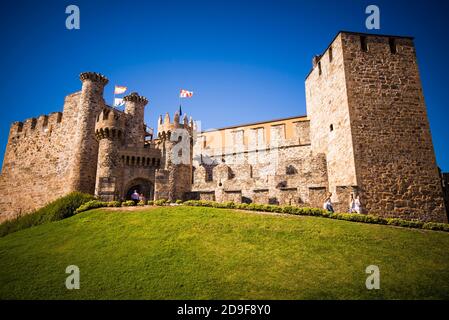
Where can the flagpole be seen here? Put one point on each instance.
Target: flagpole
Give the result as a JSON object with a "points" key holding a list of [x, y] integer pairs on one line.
{"points": [[113, 99]]}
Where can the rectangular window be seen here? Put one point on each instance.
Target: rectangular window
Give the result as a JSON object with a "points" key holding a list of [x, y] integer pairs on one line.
{"points": [[256, 138], [363, 43], [260, 136], [330, 54], [237, 137], [319, 68], [277, 133], [393, 48]]}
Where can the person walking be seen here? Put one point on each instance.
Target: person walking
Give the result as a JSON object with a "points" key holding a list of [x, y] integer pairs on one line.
{"points": [[357, 205], [135, 197], [351, 203]]}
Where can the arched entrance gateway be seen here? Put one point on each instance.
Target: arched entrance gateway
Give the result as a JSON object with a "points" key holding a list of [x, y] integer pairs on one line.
{"points": [[141, 185]]}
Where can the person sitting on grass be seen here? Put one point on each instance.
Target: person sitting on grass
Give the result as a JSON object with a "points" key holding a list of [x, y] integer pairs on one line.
{"points": [[328, 204]]}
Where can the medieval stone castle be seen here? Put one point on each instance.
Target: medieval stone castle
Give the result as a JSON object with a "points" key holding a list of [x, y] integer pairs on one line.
{"points": [[366, 132]]}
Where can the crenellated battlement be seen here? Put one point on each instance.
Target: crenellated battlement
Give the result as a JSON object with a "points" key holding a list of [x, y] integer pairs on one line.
{"points": [[36, 125], [94, 76], [16, 128], [135, 97], [110, 124], [165, 127]]}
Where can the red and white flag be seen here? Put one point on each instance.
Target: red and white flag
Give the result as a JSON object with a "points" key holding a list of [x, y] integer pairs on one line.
{"points": [[185, 94], [120, 89]]}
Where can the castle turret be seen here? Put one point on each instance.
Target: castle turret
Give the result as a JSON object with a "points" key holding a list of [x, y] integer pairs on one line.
{"points": [[174, 180], [109, 133], [85, 152], [134, 108]]}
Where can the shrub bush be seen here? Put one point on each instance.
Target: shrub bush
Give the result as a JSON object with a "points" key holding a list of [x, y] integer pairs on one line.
{"points": [[242, 206], [114, 204], [128, 203], [436, 226], [93, 204], [178, 201], [405, 223], [150, 202], [160, 202], [61, 208], [305, 211], [141, 203], [192, 203]]}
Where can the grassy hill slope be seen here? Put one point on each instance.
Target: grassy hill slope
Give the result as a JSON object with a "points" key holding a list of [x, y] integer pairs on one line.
{"points": [[206, 253]]}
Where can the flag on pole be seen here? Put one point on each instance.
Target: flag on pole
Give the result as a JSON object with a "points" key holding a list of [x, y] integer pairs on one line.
{"points": [[185, 94], [118, 102], [120, 89]]}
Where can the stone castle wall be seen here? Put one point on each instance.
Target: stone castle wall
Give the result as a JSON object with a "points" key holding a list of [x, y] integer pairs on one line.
{"points": [[283, 172], [82, 149], [328, 110], [38, 163], [393, 150]]}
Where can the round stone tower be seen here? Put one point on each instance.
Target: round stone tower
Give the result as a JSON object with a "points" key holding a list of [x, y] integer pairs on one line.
{"points": [[174, 179], [135, 130], [109, 131], [85, 151]]}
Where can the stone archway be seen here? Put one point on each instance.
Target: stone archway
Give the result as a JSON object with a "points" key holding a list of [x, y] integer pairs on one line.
{"points": [[141, 185]]}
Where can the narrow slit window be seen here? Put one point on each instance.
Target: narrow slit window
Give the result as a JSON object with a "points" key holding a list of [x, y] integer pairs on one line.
{"points": [[331, 127], [319, 68], [393, 48], [330, 54], [363, 43]]}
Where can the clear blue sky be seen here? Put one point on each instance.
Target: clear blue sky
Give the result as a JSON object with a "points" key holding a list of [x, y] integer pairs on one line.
{"points": [[245, 60]]}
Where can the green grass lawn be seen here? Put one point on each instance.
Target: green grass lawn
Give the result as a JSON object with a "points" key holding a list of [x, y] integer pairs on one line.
{"points": [[206, 253]]}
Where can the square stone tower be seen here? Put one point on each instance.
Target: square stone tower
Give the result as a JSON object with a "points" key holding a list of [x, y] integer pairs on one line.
{"points": [[367, 114]]}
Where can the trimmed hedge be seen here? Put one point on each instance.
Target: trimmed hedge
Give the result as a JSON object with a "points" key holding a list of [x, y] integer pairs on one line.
{"points": [[306, 211], [436, 226], [93, 204], [128, 203], [114, 204], [141, 203], [160, 202], [59, 209]]}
